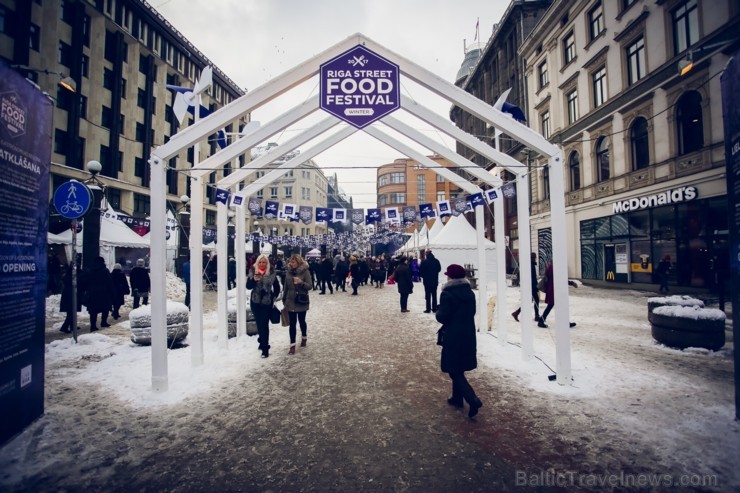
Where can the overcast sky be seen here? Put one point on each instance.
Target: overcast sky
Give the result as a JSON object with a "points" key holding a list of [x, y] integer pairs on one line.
{"points": [[253, 41]]}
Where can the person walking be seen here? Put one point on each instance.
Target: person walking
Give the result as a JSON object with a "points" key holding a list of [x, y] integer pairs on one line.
{"points": [[664, 268], [354, 271], [535, 292], [186, 279], [65, 302], [98, 294], [120, 289], [325, 273], [231, 272], [429, 271], [140, 283], [402, 278], [456, 313], [312, 269], [549, 298], [341, 271], [295, 298], [265, 287]]}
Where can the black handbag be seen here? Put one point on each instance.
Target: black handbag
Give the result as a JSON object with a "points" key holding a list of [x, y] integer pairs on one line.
{"points": [[274, 315], [441, 337], [301, 298]]}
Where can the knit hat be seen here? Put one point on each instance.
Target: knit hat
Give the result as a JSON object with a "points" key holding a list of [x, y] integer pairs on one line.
{"points": [[455, 271], [116, 266], [140, 262]]}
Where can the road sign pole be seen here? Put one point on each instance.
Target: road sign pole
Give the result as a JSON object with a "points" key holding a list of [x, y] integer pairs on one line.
{"points": [[74, 279]]}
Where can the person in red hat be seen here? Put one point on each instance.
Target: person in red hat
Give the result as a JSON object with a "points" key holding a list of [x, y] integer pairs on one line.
{"points": [[456, 313]]}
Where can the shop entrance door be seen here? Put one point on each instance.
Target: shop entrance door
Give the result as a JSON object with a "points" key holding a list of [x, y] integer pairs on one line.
{"points": [[616, 262], [610, 264]]}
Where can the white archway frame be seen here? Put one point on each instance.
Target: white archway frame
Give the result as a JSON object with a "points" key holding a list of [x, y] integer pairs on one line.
{"points": [[277, 86]]}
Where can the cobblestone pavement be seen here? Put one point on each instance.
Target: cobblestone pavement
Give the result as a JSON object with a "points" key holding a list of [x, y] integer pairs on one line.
{"points": [[362, 408]]}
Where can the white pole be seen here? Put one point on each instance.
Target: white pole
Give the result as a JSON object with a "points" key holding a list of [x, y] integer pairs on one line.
{"points": [[482, 276], [241, 275], [560, 270], [196, 269], [525, 267], [501, 309], [158, 263], [222, 245]]}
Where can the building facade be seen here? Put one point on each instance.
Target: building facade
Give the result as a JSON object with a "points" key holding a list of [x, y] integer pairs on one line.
{"points": [[487, 72], [305, 185], [406, 182], [122, 54], [644, 154]]}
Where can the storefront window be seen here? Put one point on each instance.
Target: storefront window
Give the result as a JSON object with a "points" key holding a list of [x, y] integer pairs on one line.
{"points": [[639, 224], [642, 262], [588, 261], [587, 230], [601, 228], [664, 223], [620, 226]]}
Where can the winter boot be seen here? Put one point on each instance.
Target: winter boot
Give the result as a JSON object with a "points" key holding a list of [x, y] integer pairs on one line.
{"points": [[303, 341], [475, 404], [292, 349]]}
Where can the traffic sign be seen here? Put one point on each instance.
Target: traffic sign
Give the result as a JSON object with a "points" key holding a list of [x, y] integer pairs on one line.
{"points": [[72, 199]]}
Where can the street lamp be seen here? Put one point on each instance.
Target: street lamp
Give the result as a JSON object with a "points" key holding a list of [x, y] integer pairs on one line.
{"points": [[65, 81], [183, 243], [91, 232]]}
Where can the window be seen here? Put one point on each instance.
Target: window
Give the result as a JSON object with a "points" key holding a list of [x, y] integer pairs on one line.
{"points": [[398, 177], [545, 124], [110, 46], [569, 48], [596, 21], [542, 74], [288, 192], [83, 106], [440, 179], [398, 198], [627, 4], [639, 143], [382, 199], [599, 85], [574, 167], [141, 98], [139, 168], [65, 12], [141, 204], [572, 100], [4, 18], [143, 64], [85, 66], [123, 88], [382, 180], [34, 35], [546, 182], [636, 60], [108, 79], [65, 54], [690, 125], [140, 132], [440, 196], [273, 192], [421, 187], [105, 117], [260, 193], [60, 141], [602, 159], [305, 193], [685, 26]]}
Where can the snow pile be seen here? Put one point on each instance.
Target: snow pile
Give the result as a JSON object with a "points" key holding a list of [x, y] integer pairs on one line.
{"points": [[692, 312], [676, 300], [142, 317]]}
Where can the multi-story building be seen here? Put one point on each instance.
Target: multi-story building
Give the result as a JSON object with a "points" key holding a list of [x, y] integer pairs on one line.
{"points": [[487, 72], [405, 182], [121, 54], [305, 185], [338, 199], [643, 144]]}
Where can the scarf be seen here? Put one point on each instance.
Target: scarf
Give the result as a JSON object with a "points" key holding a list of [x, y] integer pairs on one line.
{"points": [[261, 271]]}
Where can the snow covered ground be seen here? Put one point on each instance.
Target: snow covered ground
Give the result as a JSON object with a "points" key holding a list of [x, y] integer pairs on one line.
{"points": [[631, 400]]}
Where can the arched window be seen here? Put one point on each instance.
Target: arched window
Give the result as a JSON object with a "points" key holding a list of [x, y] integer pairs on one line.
{"points": [[639, 141], [690, 125], [602, 159], [574, 164]]}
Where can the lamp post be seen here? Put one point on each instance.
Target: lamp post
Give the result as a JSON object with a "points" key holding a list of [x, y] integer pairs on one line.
{"points": [[183, 242], [256, 243], [91, 232]]}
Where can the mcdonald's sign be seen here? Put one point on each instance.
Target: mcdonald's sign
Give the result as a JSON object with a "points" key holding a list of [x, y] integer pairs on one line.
{"points": [[610, 276]]}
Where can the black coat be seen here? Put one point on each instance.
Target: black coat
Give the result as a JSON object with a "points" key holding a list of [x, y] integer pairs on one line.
{"points": [[429, 270], [402, 276], [120, 287], [140, 280], [456, 313], [325, 269], [98, 289]]}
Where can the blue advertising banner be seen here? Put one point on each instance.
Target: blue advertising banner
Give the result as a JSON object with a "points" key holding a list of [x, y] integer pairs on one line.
{"points": [[359, 86], [730, 81], [25, 153]]}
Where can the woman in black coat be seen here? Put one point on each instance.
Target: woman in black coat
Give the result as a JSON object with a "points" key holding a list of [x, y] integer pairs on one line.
{"points": [[120, 289], [456, 313], [98, 294], [402, 277]]}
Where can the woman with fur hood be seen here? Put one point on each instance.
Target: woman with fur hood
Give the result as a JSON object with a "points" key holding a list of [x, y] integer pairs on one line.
{"points": [[456, 313], [265, 288], [295, 298]]}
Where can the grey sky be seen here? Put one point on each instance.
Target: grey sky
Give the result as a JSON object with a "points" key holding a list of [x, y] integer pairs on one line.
{"points": [[253, 41]]}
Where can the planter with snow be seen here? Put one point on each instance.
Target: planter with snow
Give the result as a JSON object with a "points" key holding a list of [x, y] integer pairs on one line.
{"points": [[177, 323], [688, 326], [674, 300], [231, 310]]}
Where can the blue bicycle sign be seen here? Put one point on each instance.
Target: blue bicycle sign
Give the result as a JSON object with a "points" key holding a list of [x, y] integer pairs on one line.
{"points": [[72, 199]]}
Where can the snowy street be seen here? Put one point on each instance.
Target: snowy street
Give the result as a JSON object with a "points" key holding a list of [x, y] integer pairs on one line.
{"points": [[363, 408]]}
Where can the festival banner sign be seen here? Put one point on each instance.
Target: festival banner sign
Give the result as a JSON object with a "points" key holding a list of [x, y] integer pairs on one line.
{"points": [[409, 214], [339, 216], [509, 190], [255, 207], [426, 210], [359, 87], [391, 215], [358, 216], [271, 209], [373, 216], [443, 206], [476, 199], [492, 195], [306, 214], [459, 206], [25, 154], [323, 214], [222, 196]]}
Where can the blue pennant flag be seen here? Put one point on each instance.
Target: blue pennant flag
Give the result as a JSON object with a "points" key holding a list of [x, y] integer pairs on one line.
{"points": [[324, 214], [222, 196], [373, 216], [426, 210], [271, 209], [476, 199]]}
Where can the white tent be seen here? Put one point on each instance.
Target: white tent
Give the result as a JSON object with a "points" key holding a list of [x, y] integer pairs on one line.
{"points": [[457, 244], [315, 253], [53, 239], [173, 237], [113, 234]]}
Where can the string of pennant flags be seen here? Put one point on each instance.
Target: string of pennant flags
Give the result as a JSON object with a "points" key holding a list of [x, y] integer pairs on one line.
{"points": [[389, 215]]}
